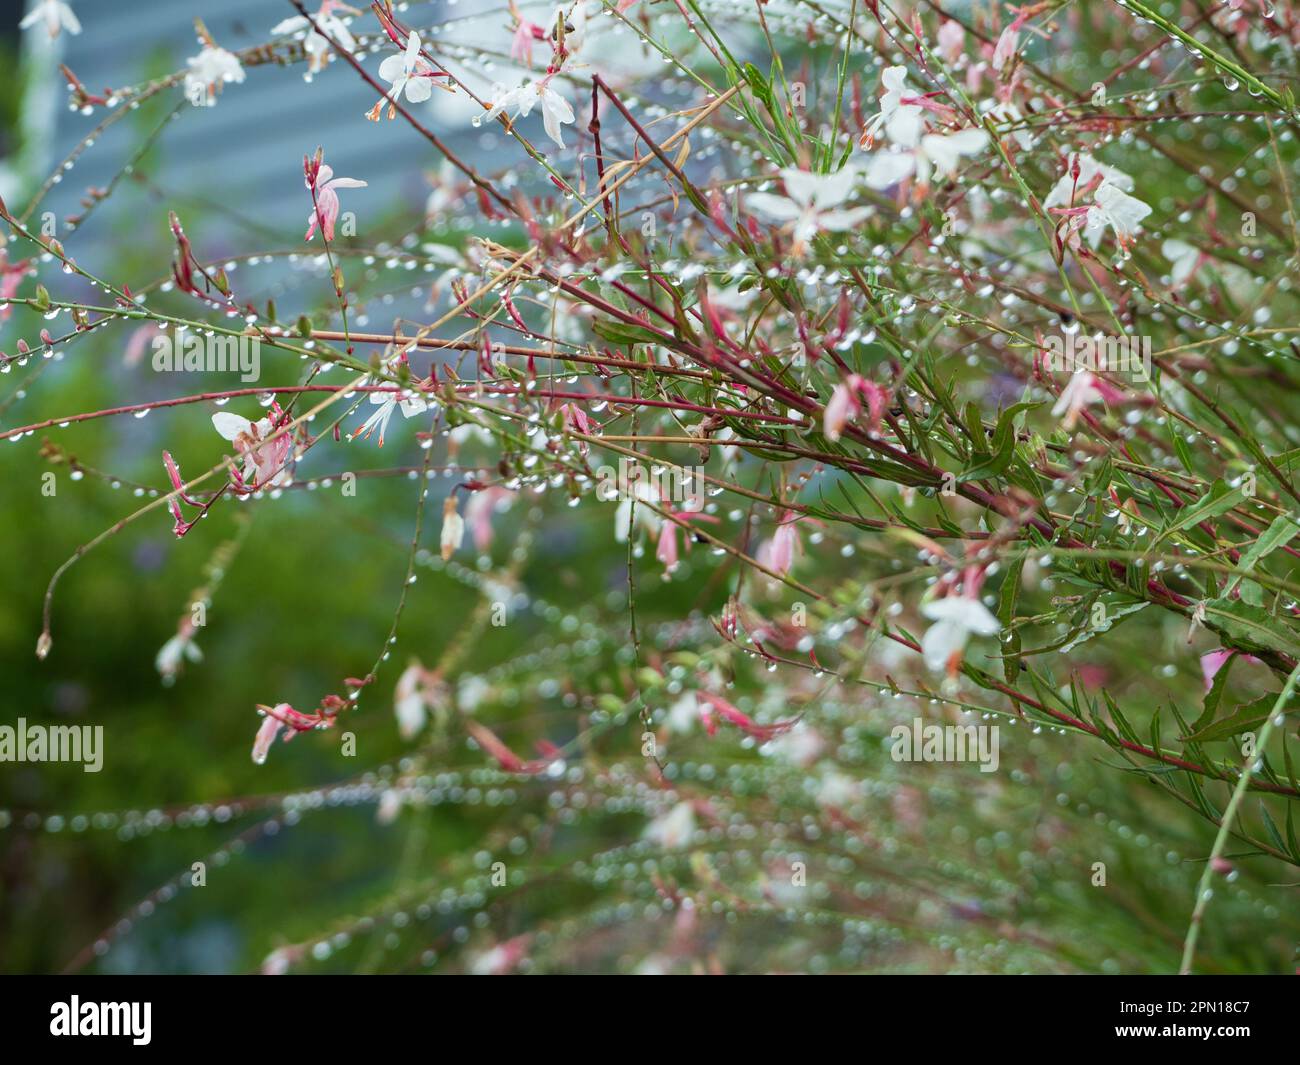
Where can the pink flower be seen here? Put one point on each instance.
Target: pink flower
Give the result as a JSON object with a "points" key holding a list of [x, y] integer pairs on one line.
{"points": [[1213, 661], [1084, 390], [266, 735], [325, 204], [521, 44], [11, 276], [952, 39], [666, 552], [733, 716], [284, 716], [576, 420], [264, 458], [777, 554], [846, 402], [1009, 39]]}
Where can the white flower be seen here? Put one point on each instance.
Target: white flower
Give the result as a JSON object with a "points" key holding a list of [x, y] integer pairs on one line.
{"points": [[1183, 259], [642, 492], [403, 73], [208, 71], [1082, 391], [673, 830], [453, 529], [937, 153], [317, 46], [1118, 210], [57, 15], [411, 404], [812, 202], [173, 653], [555, 108], [955, 619], [903, 122], [410, 700], [1062, 194]]}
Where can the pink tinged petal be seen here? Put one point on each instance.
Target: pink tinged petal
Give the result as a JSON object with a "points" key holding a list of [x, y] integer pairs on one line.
{"points": [[266, 735], [453, 529], [952, 39], [841, 405], [667, 549], [784, 541], [1211, 663], [1006, 46]]}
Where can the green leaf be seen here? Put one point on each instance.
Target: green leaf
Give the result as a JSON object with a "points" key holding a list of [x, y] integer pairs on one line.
{"points": [[1249, 628], [1219, 500], [1247, 718], [1278, 534]]}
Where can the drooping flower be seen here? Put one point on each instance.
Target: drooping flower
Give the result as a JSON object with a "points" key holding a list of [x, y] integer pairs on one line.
{"points": [[208, 72], [453, 528], [556, 110], [317, 46], [325, 208], [778, 553], [407, 74], [56, 15], [179, 649], [266, 734], [264, 459], [956, 619], [812, 203], [418, 691]]}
